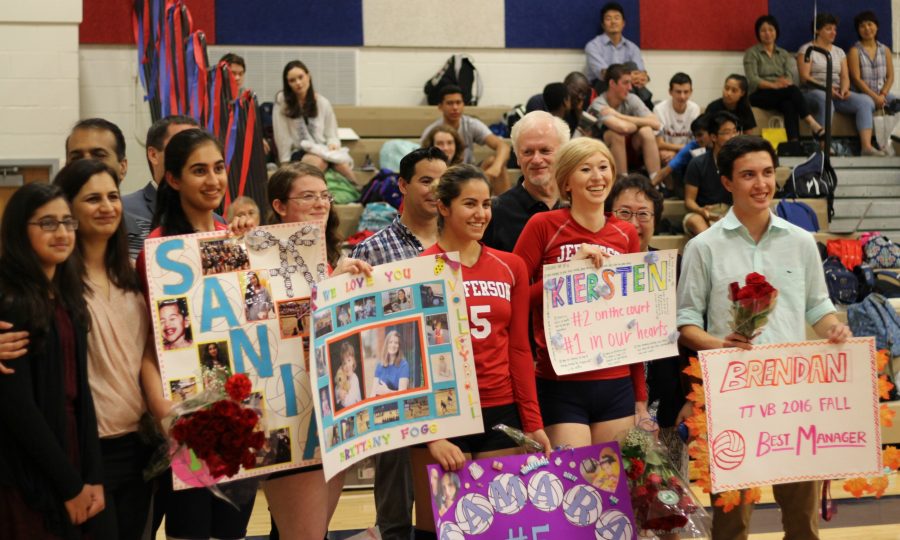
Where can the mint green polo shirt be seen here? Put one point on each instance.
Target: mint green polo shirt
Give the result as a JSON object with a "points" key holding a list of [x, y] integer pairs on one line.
{"points": [[724, 253]]}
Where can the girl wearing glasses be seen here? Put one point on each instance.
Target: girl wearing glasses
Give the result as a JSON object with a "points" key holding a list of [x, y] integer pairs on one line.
{"points": [[300, 501], [594, 406], [496, 286], [194, 185], [118, 344], [50, 463]]}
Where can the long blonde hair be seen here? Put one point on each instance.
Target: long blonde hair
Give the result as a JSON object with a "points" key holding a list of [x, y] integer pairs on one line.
{"points": [[384, 349]]}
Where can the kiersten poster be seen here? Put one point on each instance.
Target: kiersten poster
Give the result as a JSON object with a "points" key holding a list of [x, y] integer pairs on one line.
{"points": [[241, 305], [393, 360], [789, 412], [576, 493], [622, 313]]}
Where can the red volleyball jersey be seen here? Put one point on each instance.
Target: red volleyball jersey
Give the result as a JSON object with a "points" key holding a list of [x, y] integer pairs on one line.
{"points": [[554, 237], [497, 290]]}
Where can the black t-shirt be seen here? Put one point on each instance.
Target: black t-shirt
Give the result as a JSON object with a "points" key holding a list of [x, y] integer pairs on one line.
{"points": [[703, 173], [511, 211], [743, 111]]}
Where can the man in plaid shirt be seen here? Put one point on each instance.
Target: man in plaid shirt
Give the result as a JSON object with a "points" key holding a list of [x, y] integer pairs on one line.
{"points": [[406, 237]]}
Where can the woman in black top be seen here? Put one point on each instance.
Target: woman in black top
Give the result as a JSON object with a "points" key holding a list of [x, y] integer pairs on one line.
{"points": [[50, 466]]}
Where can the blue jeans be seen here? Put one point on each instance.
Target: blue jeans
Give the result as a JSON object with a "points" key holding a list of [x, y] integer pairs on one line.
{"points": [[859, 105]]}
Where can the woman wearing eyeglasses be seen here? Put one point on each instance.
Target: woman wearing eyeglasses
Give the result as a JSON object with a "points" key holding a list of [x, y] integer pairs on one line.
{"points": [[50, 463], [300, 501], [634, 199], [594, 406]]}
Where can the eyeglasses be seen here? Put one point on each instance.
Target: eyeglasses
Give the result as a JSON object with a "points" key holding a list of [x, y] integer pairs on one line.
{"points": [[52, 225], [643, 216], [311, 198]]}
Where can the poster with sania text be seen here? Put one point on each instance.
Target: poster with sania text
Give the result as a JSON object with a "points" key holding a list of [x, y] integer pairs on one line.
{"points": [[223, 305]]}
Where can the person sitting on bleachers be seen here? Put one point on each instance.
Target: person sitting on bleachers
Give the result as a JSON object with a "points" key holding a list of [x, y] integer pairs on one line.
{"points": [[676, 114], [639, 81], [672, 175], [610, 47], [734, 100], [622, 116], [473, 131], [812, 75], [871, 65], [448, 141], [705, 198], [771, 74], [578, 92]]}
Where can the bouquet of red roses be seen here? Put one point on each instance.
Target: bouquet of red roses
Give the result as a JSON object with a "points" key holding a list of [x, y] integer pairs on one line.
{"points": [[661, 498], [751, 305]]}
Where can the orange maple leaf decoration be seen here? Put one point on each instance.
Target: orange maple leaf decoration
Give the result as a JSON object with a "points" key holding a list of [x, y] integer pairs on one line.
{"points": [[752, 495], [890, 456], [728, 500], [884, 387]]}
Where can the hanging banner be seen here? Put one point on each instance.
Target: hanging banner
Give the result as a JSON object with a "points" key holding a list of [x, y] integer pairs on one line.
{"points": [[576, 493], [622, 313], [394, 364], [224, 305], [788, 412]]}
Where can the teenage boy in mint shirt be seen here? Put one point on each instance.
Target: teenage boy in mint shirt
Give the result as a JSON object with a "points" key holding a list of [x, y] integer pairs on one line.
{"points": [[750, 238]]}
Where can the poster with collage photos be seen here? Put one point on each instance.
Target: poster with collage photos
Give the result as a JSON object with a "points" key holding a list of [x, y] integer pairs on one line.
{"points": [[223, 305], [393, 360]]}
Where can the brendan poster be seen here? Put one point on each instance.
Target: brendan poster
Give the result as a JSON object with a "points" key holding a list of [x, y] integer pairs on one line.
{"points": [[576, 493], [224, 305], [789, 412], [621, 313], [393, 360]]}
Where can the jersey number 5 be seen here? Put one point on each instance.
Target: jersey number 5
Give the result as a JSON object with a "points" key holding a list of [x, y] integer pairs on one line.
{"points": [[481, 326]]}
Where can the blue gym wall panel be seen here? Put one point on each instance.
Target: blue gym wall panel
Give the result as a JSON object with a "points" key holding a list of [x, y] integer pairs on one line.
{"points": [[561, 24], [795, 18], [289, 22]]}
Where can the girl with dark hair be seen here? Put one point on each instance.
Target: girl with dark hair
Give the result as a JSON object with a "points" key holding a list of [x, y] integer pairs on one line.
{"points": [[194, 185], [257, 299], [304, 123], [447, 139], [770, 73], [118, 345], [300, 501], [499, 329], [812, 76], [50, 462], [735, 100]]}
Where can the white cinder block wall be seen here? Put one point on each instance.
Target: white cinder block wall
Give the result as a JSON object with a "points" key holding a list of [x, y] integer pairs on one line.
{"points": [[38, 76]]}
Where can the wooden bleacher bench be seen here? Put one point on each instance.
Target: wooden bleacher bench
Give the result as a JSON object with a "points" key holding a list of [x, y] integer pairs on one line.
{"points": [[403, 122], [674, 210]]}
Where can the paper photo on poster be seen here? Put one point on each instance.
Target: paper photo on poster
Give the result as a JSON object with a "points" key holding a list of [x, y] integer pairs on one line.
{"points": [[622, 313], [382, 379], [576, 493], [787, 412], [236, 305]]}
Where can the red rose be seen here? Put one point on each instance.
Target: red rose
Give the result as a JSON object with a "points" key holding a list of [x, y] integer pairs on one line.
{"points": [[733, 290], [755, 278], [238, 387]]}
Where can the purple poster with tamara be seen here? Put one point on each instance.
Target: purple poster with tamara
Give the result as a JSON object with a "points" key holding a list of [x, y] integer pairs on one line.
{"points": [[576, 493]]}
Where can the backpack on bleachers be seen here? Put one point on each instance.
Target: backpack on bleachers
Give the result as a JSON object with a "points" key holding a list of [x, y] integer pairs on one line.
{"points": [[799, 213], [847, 250], [843, 287], [460, 70], [811, 180], [880, 252], [344, 191], [875, 316], [887, 283], [382, 188], [376, 216], [392, 151], [865, 281]]}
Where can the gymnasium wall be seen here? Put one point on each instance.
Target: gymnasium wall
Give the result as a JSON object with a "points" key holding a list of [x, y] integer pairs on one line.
{"points": [[518, 46]]}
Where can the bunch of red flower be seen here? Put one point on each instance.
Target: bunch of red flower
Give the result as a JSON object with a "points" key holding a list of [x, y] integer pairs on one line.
{"points": [[223, 434], [661, 499], [751, 305]]}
